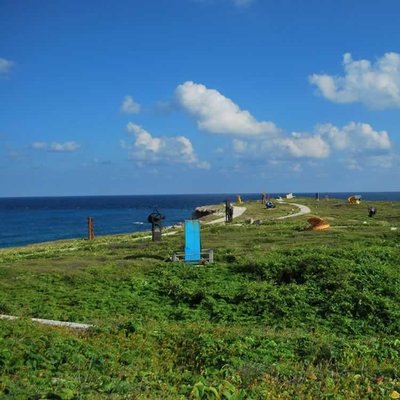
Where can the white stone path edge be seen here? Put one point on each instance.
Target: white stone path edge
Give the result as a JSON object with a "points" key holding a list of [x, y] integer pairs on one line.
{"points": [[62, 324]]}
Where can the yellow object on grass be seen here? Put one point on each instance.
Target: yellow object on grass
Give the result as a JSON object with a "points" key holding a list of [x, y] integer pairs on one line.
{"points": [[354, 199], [317, 224]]}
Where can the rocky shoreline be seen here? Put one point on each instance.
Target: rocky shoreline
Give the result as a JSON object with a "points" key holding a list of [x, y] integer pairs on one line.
{"points": [[203, 211]]}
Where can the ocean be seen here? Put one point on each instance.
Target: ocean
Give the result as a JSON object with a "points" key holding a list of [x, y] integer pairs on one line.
{"points": [[27, 220]]}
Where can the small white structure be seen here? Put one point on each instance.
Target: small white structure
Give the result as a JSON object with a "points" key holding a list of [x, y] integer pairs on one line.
{"points": [[289, 196]]}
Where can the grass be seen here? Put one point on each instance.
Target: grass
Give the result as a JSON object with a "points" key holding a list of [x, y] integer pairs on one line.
{"points": [[283, 313]]}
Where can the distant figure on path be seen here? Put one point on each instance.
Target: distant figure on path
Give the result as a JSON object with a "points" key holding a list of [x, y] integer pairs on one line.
{"points": [[228, 211]]}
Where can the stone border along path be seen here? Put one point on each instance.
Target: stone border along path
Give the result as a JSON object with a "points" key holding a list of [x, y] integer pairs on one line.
{"points": [[62, 324], [303, 210]]}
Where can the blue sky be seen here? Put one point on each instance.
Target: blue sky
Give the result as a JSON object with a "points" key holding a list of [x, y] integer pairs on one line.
{"points": [[199, 96]]}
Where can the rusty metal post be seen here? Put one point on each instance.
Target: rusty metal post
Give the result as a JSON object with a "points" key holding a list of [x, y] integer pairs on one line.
{"points": [[155, 220], [90, 228], [156, 234]]}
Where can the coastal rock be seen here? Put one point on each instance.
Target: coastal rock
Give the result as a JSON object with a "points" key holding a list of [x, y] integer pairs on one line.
{"points": [[203, 211]]}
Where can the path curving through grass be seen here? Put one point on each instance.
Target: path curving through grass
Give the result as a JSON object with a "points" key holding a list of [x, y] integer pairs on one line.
{"points": [[237, 212], [303, 210]]}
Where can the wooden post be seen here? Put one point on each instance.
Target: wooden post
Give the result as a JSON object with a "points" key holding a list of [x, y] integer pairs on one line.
{"points": [[90, 228]]}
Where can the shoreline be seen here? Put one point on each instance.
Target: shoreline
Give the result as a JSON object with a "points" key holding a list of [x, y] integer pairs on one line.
{"points": [[147, 230]]}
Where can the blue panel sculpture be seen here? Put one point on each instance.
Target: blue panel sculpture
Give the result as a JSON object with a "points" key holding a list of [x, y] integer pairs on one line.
{"points": [[192, 241]]}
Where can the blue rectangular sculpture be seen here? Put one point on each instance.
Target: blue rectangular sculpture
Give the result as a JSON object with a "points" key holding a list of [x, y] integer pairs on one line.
{"points": [[192, 241]]}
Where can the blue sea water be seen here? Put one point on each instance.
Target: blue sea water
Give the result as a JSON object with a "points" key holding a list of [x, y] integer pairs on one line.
{"points": [[27, 220]]}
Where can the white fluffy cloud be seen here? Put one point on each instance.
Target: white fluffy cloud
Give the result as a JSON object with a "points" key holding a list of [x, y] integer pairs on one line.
{"points": [[67, 147], [377, 85], [129, 106], [298, 145], [5, 66], [303, 145], [262, 140], [172, 150], [216, 113], [355, 137], [354, 140], [385, 161]]}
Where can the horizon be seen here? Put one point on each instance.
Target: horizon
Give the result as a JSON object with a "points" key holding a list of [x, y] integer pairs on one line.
{"points": [[355, 192], [191, 96]]}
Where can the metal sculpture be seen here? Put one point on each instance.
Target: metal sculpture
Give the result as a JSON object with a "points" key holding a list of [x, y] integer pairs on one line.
{"points": [[155, 219]]}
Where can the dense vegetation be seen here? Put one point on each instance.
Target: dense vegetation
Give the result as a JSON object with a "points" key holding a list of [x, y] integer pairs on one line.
{"points": [[283, 313]]}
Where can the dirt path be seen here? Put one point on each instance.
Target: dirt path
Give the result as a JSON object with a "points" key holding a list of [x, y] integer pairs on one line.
{"points": [[237, 212], [303, 210]]}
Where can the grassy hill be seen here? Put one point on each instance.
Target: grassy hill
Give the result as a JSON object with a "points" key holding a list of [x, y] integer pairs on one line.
{"points": [[283, 313]]}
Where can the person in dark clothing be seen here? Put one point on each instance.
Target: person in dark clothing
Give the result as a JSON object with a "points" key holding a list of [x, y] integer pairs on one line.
{"points": [[228, 211]]}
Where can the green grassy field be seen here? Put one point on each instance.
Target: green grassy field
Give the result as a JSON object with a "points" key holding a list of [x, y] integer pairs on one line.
{"points": [[283, 313]]}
